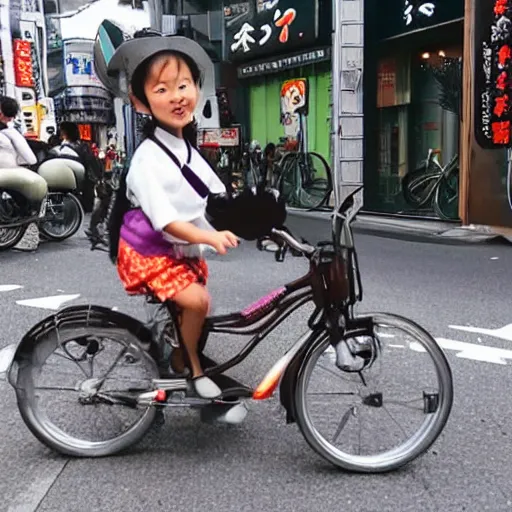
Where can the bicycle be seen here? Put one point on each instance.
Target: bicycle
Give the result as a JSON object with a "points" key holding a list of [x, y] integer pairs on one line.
{"points": [[433, 184], [352, 344], [223, 159], [305, 178]]}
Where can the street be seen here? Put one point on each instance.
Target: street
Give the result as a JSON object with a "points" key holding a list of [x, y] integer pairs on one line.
{"points": [[461, 294]]}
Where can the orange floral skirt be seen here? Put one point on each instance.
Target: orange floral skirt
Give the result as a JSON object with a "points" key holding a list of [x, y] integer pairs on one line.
{"points": [[163, 276]]}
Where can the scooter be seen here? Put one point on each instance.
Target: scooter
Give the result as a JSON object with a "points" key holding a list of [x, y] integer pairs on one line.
{"points": [[64, 212], [23, 200]]}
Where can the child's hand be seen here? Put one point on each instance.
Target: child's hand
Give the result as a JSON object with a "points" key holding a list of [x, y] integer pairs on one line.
{"points": [[221, 241]]}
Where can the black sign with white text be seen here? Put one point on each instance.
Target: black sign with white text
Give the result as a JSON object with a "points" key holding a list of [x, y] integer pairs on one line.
{"points": [[398, 17], [281, 63], [260, 28]]}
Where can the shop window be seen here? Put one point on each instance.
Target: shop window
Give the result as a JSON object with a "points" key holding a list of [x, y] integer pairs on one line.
{"points": [[418, 105]]}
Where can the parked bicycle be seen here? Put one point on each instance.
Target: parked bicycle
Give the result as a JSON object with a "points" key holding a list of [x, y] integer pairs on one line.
{"points": [[432, 185], [226, 162], [305, 178], [339, 352]]}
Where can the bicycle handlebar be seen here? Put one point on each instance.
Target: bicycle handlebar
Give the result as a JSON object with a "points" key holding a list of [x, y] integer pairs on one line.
{"points": [[306, 249]]}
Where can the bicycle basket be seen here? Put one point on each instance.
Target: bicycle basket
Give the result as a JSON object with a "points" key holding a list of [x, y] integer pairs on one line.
{"points": [[331, 281]]}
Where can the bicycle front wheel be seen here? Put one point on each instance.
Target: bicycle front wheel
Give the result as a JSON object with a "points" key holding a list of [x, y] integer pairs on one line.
{"points": [[384, 414]]}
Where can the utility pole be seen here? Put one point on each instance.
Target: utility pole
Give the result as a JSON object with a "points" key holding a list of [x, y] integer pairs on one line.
{"points": [[347, 91]]}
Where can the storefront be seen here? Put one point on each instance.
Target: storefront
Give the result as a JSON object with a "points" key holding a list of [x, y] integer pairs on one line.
{"points": [[413, 97], [282, 53]]}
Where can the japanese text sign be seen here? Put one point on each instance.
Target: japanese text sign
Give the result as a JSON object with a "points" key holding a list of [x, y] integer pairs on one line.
{"points": [[397, 17], [23, 63], [263, 27], [493, 73]]}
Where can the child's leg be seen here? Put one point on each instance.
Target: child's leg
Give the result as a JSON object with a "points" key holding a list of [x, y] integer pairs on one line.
{"points": [[194, 302]]}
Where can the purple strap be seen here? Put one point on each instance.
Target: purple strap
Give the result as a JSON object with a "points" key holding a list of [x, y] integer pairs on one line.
{"points": [[193, 179]]}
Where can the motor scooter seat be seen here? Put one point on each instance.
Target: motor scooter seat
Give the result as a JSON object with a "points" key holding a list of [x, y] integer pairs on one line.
{"points": [[24, 181]]}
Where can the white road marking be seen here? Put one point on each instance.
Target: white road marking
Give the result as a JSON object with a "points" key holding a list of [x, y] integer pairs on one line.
{"points": [[55, 302], [504, 333], [471, 351], [9, 287], [476, 352]]}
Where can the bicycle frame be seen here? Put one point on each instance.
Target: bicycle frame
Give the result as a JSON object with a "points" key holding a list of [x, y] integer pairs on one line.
{"points": [[259, 320], [265, 315]]}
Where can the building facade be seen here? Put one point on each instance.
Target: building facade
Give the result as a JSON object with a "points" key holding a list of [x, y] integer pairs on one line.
{"points": [[24, 72], [413, 98], [281, 53]]}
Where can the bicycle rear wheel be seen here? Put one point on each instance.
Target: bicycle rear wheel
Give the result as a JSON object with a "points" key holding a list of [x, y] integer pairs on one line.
{"points": [[368, 404], [67, 395]]}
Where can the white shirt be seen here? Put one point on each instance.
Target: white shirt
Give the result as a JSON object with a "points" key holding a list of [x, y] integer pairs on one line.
{"points": [[156, 184], [14, 150]]}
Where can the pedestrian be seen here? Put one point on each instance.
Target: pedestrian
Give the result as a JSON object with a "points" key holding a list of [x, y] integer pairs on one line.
{"points": [[14, 148], [15, 152], [158, 224], [73, 147]]}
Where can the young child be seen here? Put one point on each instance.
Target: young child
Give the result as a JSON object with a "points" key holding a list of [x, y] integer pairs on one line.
{"points": [[159, 249]]}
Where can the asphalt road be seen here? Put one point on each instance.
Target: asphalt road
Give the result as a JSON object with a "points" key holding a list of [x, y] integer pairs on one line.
{"points": [[264, 464]]}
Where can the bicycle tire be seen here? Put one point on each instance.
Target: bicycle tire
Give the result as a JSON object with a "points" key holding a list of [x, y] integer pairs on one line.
{"points": [[394, 459], [328, 189], [448, 192], [287, 166], [44, 225], [284, 165], [417, 179], [51, 435], [9, 237]]}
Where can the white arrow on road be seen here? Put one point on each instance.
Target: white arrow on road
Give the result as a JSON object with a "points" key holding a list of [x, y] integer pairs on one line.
{"points": [[470, 351], [55, 302], [9, 287], [504, 333]]}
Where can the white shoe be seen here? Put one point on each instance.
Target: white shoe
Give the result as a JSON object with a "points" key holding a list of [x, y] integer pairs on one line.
{"points": [[234, 415], [206, 388]]}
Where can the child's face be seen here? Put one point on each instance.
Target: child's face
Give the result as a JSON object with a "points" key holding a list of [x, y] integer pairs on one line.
{"points": [[171, 92]]}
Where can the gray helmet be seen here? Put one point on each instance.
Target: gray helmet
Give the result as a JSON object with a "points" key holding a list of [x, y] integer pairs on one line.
{"points": [[130, 54], [118, 54]]}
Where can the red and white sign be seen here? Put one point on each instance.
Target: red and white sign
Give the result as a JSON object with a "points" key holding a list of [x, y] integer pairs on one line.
{"points": [[219, 137], [23, 63]]}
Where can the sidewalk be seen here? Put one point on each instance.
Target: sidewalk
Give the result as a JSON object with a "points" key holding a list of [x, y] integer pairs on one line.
{"points": [[418, 230]]}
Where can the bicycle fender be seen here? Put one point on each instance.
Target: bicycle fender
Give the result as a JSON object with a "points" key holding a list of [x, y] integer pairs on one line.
{"points": [[289, 380], [90, 315]]}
